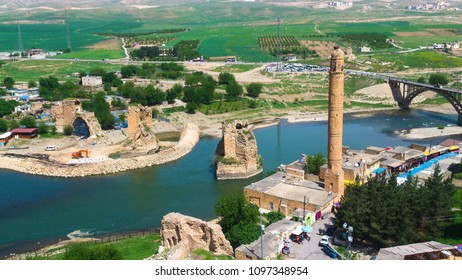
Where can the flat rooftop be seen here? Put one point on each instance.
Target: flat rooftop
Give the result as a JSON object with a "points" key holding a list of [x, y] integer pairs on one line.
{"points": [[277, 185], [399, 252]]}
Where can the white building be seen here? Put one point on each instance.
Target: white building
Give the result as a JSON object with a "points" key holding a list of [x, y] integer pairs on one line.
{"points": [[92, 81], [365, 49]]}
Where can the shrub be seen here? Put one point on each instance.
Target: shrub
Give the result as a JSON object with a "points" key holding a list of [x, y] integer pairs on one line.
{"points": [[82, 251], [28, 122], [68, 129], [43, 128]]}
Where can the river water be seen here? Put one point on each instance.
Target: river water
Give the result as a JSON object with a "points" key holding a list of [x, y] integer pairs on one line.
{"points": [[37, 210]]}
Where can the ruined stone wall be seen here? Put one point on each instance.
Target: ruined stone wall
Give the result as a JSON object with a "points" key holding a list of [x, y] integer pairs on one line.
{"points": [[239, 150], [181, 235], [140, 128]]}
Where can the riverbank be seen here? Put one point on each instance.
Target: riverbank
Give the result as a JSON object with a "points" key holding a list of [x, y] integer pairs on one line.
{"points": [[48, 167], [430, 132]]}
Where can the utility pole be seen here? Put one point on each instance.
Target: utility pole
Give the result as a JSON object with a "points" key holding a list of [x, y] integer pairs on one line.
{"points": [[20, 46], [279, 43], [68, 35], [262, 229]]}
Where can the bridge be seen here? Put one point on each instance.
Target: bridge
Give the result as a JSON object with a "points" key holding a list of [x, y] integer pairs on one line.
{"points": [[404, 91]]}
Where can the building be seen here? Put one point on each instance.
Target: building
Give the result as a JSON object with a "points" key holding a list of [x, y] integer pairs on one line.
{"points": [[420, 251], [291, 197], [341, 4], [365, 49], [92, 81], [231, 59], [27, 133], [5, 137]]}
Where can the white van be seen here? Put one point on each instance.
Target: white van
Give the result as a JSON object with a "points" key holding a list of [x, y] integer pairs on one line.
{"points": [[51, 148]]}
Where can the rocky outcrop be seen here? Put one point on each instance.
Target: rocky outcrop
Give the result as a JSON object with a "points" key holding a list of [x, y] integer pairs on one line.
{"points": [[140, 128], [181, 235], [237, 153]]}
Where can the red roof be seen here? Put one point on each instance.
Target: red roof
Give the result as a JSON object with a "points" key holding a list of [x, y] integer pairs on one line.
{"points": [[23, 130]]}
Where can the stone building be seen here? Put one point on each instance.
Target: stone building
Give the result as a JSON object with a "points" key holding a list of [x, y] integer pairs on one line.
{"points": [[140, 128], [181, 235], [237, 153]]}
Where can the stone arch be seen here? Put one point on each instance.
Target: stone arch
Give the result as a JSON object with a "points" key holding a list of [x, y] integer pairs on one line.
{"points": [[81, 127]]}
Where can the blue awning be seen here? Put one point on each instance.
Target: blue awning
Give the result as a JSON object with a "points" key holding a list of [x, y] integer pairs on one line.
{"points": [[378, 170]]}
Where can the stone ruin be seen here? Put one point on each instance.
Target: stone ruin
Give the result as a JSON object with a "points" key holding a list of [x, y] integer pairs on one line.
{"points": [[70, 112], [140, 128], [181, 235], [237, 153]]}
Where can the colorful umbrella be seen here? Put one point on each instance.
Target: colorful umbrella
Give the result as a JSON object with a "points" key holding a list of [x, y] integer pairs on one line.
{"points": [[307, 229]]}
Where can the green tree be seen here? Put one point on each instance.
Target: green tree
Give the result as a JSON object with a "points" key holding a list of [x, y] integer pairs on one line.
{"points": [[28, 121], [32, 84], [225, 78], [68, 129], [7, 107], [129, 71], [233, 91], [438, 78], [53, 129], [422, 80], [191, 108], [314, 163], [43, 128], [239, 219], [254, 89], [3, 92], [385, 214], [3, 125], [8, 82], [13, 124], [102, 112]]}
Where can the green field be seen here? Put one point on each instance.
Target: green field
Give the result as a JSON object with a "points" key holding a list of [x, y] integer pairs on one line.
{"points": [[35, 69], [94, 54]]}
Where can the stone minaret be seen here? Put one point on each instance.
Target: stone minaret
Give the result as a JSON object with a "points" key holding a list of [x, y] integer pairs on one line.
{"points": [[334, 173]]}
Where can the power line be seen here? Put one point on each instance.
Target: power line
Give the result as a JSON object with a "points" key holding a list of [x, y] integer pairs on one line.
{"points": [[20, 46]]}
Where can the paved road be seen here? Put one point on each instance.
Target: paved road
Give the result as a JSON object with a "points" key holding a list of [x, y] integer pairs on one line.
{"points": [[311, 250]]}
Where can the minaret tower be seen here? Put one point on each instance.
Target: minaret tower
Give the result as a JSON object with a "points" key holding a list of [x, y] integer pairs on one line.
{"points": [[334, 172]]}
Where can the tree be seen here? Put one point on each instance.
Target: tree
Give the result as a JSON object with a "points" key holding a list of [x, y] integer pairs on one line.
{"points": [[239, 219], [28, 122], [233, 91], [254, 89], [13, 124], [438, 79], [3, 125], [102, 112], [53, 129], [68, 129], [7, 107], [43, 128], [386, 214], [129, 71], [314, 163], [191, 108], [32, 84], [8, 82], [225, 78], [422, 80]]}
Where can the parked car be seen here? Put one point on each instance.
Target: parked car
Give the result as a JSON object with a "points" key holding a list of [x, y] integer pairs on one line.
{"points": [[330, 230], [51, 148], [324, 240]]}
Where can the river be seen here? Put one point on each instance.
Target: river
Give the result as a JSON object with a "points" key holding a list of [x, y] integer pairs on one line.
{"points": [[37, 210]]}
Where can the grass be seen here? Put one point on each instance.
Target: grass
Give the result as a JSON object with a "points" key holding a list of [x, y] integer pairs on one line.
{"points": [[353, 84], [435, 101], [132, 248], [220, 107], [207, 255], [33, 70], [421, 59], [52, 136]]}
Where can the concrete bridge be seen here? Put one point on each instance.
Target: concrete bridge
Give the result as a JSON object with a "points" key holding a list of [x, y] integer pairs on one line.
{"points": [[404, 91]]}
